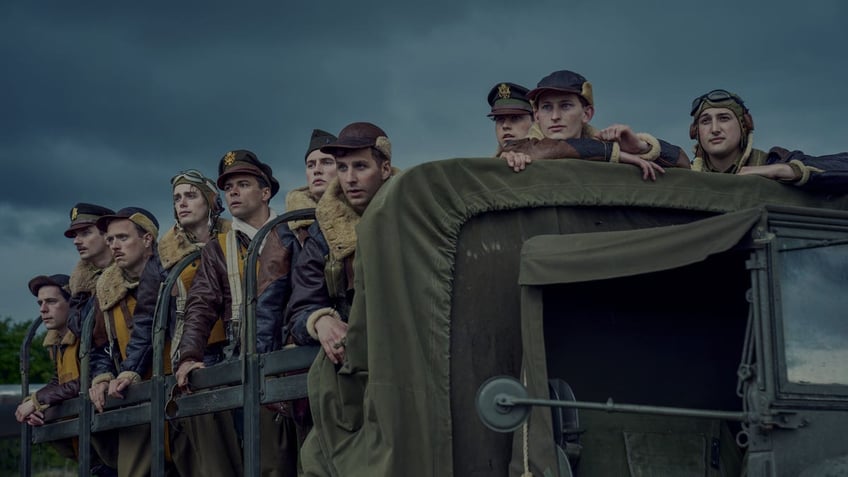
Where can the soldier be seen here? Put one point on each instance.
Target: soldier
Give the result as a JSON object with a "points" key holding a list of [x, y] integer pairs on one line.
{"points": [[511, 112], [131, 234], [320, 171], [216, 291], [53, 295], [564, 104], [95, 256], [724, 130], [319, 307]]}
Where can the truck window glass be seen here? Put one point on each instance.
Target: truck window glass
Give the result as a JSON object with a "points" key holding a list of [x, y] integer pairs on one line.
{"points": [[813, 284]]}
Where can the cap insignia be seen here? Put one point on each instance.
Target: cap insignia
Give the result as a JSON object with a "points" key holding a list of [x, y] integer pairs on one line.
{"points": [[503, 91], [74, 214], [229, 159]]}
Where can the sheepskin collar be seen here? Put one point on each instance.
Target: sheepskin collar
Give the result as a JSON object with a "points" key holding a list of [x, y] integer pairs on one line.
{"points": [[54, 338], [300, 199], [175, 244], [84, 277], [113, 286], [338, 220]]}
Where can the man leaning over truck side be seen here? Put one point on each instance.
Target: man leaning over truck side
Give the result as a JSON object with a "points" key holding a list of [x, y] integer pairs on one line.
{"points": [[563, 103], [724, 130]]}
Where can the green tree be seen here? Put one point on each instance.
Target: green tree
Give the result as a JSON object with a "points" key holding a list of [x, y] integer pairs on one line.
{"points": [[41, 370], [12, 334]]}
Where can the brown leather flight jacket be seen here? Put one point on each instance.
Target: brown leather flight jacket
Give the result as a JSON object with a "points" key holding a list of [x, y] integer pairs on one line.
{"points": [[210, 297]]}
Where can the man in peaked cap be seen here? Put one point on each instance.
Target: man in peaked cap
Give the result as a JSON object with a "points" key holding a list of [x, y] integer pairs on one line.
{"points": [[94, 257], [216, 292], [563, 104], [511, 111], [724, 130], [131, 234], [320, 171]]}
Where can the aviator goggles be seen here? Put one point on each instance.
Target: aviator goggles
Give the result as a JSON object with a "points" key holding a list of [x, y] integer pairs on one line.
{"points": [[193, 176], [715, 96]]}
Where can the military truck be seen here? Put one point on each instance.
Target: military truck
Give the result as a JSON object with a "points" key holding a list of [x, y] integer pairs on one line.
{"points": [[690, 326]]}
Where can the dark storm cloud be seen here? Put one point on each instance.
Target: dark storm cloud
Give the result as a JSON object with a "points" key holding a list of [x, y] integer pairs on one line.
{"points": [[104, 102]]}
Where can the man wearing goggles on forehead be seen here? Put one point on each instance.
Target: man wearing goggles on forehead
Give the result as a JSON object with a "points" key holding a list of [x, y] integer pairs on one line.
{"points": [[724, 130]]}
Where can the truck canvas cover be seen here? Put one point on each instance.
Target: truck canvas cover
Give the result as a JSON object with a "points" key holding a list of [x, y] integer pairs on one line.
{"points": [[437, 307]]}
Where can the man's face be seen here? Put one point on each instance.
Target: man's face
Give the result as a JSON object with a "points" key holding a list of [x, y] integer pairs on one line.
{"points": [[129, 248], [320, 170], [509, 127], [562, 115], [190, 206], [719, 132], [360, 177], [90, 243], [245, 199], [53, 308]]}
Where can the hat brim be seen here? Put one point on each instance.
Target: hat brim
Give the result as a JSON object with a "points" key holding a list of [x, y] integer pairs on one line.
{"points": [[72, 230], [104, 221], [250, 170], [535, 93], [42, 281], [509, 112], [348, 143]]}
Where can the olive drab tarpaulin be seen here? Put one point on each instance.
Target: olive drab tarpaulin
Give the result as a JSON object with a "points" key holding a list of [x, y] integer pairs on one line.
{"points": [[387, 410]]}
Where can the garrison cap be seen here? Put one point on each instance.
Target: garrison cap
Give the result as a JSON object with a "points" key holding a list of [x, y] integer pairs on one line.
{"points": [[564, 81], [242, 161], [319, 139], [509, 98], [136, 215], [84, 215], [359, 136], [60, 280]]}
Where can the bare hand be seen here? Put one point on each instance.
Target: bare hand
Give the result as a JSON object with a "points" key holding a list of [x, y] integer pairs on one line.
{"points": [[772, 171], [24, 410], [35, 419], [332, 334], [117, 386], [186, 367], [625, 137], [97, 393], [516, 160], [649, 169]]}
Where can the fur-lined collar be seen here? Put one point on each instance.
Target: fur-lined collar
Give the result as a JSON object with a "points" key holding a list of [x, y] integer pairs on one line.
{"points": [[52, 338], [338, 220], [300, 199], [84, 277], [112, 287], [175, 244]]}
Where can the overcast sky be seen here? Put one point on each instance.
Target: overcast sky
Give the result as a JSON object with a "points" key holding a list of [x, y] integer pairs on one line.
{"points": [[104, 101]]}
